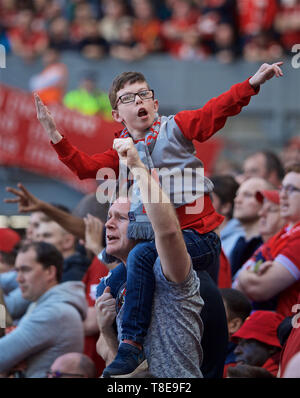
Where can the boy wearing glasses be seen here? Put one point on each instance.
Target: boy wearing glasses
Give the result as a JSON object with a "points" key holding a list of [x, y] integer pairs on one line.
{"points": [[162, 142]]}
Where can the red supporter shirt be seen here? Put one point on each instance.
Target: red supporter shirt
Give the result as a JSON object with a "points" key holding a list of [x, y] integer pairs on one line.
{"points": [[198, 125], [91, 279], [283, 248]]}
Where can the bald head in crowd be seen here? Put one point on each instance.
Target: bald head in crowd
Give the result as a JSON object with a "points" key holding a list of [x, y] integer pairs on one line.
{"points": [[73, 365]]}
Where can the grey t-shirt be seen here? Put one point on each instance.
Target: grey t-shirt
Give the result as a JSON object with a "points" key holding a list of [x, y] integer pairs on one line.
{"points": [[173, 342]]}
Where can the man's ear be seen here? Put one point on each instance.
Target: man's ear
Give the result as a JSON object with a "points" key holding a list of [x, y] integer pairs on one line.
{"points": [[234, 325], [69, 241], [226, 208], [52, 272], [116, 116], [156, 105]]}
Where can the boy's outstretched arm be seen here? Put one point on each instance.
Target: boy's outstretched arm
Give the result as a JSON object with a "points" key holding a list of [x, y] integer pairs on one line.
{"points": [[201, 124]]}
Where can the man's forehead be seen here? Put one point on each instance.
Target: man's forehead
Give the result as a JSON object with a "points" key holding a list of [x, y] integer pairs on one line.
{"points": [[49, 226], [29, 257], [254, 184], [121, 205]]}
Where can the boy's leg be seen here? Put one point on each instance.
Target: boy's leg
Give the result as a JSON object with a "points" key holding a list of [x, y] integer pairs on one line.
{"points": [[204, 250], [139, 294], [136, 309]]}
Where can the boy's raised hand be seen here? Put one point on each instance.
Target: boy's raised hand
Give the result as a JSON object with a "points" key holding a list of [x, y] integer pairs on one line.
{"points": [[46, 120], [266, 72]]}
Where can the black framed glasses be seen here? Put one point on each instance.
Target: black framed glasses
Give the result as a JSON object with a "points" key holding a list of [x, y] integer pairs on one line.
{"points": [[289, 189], [130, 97], [57, 374]]}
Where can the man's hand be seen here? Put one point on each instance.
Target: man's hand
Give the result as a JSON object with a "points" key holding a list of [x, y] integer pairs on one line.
{"points": [[93, 234], [27, 202], [105, 310], [46, 120], [264, 267], [128, 153], [266, 72]]}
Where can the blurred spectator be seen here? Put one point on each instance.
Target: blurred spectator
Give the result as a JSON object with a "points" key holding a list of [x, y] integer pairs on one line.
{"points": [[127, 48], [217, 27], [192, 46], [271, 277], [83, 12], [8, 13], [51, 83], [257, 343], [72, 365], [88, 99], [290, 154], [75, 263], [270, 221], [147, 27], [238, 308], [225, 188], [246, 209], [287, 23], [225, 48], [184, 16], [35, 219], [53, 326], [59, 35], [113, 11], [223, 195], [255, 17], [28, 39], [8, 239], [7, 261], [262, 47], [92, 45], [93, 241], [264, 164]]}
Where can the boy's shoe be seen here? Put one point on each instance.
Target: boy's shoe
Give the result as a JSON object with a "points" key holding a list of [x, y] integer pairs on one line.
{"points": [[128, 362]]}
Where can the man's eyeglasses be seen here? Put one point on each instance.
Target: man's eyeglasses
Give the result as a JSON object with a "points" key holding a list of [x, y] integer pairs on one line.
{"points": [[130, 97], [289, 189], [57, 374]]}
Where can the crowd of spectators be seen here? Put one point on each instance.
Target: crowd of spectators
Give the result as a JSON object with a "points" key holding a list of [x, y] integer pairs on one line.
{"points": [[131, 29], [262, 319], [249, 321]]}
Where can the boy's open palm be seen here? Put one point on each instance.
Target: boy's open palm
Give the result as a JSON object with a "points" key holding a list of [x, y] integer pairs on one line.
{"points": [[46, 120]]}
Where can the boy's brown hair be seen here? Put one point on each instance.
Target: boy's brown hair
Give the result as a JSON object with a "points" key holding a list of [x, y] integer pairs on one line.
{"points": [[120, 81]]}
